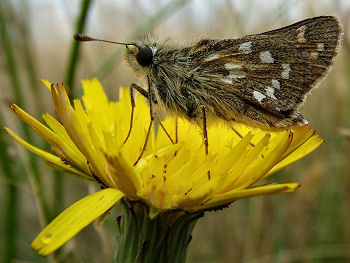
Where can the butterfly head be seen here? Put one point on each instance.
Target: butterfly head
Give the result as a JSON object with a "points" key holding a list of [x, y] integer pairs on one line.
{"points": [[141, 56]]}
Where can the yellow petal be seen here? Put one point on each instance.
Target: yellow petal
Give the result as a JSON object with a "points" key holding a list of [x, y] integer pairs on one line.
{"points": [[300, 136], [61, 132], [237, 173], [96, 104], [231, 196], [38, 127], [72, 155], [124, 176], [52, 160], [229, 161], [310, 145], [74, 219], [264, 162], [152, 166], [75, 123]]}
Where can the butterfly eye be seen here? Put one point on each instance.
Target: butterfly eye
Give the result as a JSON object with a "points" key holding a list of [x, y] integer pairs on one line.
{"points": [[144, 56]]}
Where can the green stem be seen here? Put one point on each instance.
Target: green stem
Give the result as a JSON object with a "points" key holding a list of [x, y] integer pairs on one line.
{"points": [[164, 238], [7, 45], [10, 208], [74, 54]]}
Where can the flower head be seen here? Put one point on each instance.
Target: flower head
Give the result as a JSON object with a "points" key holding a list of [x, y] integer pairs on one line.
{"points": [[89, 143]]}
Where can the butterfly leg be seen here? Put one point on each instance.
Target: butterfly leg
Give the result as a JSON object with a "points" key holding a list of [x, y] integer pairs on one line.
{"points": [[176, 132], [146, 94], [162, 126], [149, 97], [142, 91], [205, 135], [146, 140], [205, 132], [132, 99], [241, 136]]}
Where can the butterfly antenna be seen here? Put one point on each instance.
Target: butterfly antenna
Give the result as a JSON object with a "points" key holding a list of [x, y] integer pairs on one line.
{"points": [[81, 37]]}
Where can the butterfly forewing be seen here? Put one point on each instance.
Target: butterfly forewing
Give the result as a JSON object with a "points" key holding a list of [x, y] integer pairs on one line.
{"points": [[274, 70]]}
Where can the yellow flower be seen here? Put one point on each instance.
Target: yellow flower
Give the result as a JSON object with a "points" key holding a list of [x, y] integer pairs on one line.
{"points": [[88, 142]]}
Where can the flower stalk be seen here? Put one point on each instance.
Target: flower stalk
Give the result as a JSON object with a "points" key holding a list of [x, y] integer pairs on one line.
{"points": [[164, 238]]}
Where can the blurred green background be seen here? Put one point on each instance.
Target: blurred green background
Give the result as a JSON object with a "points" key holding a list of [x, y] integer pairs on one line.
{"points": [[311, 225]]}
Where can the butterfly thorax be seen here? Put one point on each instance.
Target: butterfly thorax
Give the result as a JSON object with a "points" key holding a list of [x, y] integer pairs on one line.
{"points": [[170, 74]]}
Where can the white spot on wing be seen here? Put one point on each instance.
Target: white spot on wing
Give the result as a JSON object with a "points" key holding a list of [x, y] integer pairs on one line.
{"points": [[266, 57], [314, 55], [227, 80], [270, 92], [245, 47], [258, 96], [232, 66], [233, 75], [286, 70], [320, 47], [301, 34], [236, 75], [276, 84], [212, 57]]}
